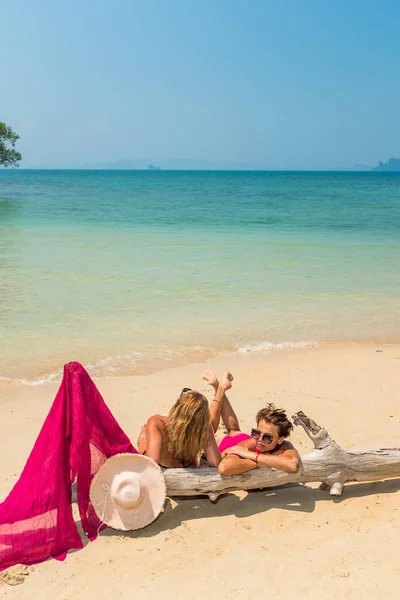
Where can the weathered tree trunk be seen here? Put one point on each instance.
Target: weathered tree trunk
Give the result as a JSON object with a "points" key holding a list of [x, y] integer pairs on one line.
{"points": [[328, 463]]}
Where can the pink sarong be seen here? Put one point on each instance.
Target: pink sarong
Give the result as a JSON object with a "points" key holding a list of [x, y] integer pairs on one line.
{"points": [[77, 437], [233, 440]]}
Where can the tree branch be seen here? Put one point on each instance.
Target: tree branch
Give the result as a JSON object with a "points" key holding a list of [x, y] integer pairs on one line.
{"points": [[328, 463]]}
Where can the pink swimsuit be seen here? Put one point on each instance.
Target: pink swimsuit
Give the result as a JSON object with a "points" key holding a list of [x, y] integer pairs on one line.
{"points": [[233, 440]]}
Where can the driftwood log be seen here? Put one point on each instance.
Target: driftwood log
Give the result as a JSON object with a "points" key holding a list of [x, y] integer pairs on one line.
{"points": [[327, 463]]}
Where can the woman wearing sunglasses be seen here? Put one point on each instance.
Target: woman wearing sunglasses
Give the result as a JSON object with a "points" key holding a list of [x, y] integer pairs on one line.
{"points": [[265, 447]]}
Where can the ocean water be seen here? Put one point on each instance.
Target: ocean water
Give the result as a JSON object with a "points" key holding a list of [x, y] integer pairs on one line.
{"points": [[131, 271]]}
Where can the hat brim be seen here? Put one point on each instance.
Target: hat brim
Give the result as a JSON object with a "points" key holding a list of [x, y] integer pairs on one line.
{"points": [[154, 486]]}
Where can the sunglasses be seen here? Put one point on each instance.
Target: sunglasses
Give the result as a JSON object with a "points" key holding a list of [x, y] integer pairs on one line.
{"points": [[185, 390], [267, 438]]}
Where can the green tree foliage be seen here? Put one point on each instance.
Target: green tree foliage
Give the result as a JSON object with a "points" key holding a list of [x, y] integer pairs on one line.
{"points": [[9, 157]]}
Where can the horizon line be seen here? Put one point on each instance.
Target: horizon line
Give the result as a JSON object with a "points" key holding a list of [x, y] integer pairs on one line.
{"points": [[144, 170]]}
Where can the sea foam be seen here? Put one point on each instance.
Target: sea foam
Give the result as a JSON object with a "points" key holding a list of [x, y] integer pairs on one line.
{"points": [[274, 346]]}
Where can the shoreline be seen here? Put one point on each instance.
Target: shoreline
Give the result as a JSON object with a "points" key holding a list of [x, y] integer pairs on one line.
{"points": [[104, 369]]}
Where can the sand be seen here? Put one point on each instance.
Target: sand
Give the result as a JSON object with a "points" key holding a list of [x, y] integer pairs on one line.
{"points": [[293, 542]]}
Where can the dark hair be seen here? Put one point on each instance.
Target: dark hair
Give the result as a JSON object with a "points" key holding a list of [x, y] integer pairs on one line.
{"points": [[276, 416]]}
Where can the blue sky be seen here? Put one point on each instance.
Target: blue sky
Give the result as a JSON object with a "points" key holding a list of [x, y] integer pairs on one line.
{"points": [[287, 84]]}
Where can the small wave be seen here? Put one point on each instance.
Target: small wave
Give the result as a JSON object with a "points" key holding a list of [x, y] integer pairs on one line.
{"points": [[112, 365], [274, 346], [122, 364], [141, 363], [56, 376]]}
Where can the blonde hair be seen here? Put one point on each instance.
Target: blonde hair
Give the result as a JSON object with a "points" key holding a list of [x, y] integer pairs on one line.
{"points": [[188, 426]]}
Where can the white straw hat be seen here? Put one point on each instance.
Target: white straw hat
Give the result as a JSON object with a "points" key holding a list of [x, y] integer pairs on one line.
{"points": [[128, 492]]}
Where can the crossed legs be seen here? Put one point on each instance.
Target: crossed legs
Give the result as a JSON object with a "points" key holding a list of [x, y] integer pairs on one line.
{"points": [[220, 408]]}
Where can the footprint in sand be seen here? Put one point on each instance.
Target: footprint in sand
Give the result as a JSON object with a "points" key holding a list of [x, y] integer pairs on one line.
{"points": [[15, 575]]}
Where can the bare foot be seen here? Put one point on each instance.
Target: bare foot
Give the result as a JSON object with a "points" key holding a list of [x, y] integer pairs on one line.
{"points": [[211, 377], [226, 381]]}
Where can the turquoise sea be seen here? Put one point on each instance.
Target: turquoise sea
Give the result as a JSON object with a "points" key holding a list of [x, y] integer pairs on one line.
{"points": [[131, 271]]}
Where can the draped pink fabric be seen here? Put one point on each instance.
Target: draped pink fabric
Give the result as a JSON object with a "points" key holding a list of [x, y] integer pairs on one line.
{"points": [[78, 435]]}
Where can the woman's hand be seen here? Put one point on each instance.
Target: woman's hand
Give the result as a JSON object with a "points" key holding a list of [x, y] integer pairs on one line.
{"points": [[239, 451]]}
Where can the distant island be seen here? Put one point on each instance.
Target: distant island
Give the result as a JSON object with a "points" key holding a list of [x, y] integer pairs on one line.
{"points": [[358, 167], [151, 164], [393, 164]]}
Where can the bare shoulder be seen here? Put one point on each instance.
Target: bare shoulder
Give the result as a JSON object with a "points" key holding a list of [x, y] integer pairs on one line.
{"points": [[158, 421], [288, 446]]}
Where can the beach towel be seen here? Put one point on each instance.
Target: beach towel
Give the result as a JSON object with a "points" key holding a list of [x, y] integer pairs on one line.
{"points": [[77, 437]]}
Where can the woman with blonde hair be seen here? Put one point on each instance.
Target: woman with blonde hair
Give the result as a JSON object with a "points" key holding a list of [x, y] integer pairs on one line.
{"points": [[184, 437]]}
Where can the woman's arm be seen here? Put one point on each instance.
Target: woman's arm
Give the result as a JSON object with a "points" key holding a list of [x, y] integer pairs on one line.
{"points": [[231, 464], [154, 438], [287, 461], [213, 454], [246, 460]]}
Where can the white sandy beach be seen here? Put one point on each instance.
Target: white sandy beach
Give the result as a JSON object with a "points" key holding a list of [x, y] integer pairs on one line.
{"points": [[293, 542]]}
